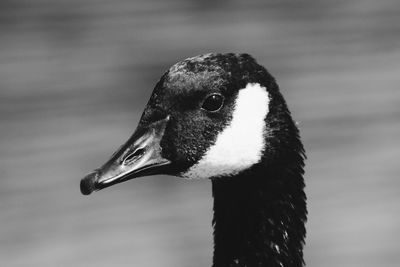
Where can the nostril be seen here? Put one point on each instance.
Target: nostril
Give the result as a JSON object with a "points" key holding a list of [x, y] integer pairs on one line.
{"points": [[134, 156]]}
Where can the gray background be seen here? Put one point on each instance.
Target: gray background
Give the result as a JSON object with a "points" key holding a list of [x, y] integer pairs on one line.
{"points": [[75, 76]]}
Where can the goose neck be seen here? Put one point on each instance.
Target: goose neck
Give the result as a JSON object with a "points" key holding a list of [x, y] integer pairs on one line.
{"points": [[259, 219]]}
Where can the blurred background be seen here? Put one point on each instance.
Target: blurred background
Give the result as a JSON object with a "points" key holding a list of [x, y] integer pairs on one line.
{"points": [[75, 76]]}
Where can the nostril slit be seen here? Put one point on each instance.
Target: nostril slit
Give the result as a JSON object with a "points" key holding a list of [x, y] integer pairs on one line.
{"points": [[138, 153]]}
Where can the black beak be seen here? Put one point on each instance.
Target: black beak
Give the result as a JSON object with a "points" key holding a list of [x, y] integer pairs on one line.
{"points": [[139, 156]]}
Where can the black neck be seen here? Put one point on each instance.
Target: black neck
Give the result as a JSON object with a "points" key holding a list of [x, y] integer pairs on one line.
{"points": [[259, 218]]}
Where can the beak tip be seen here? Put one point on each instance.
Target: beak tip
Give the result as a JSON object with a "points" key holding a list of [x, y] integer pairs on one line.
{"points": [[88, 183]]}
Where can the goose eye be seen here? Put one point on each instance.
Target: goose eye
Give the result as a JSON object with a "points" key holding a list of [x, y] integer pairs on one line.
{"points": [[213, 103]]}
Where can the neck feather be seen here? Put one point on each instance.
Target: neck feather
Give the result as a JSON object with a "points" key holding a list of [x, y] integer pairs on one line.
{"points": [[259, 217]]}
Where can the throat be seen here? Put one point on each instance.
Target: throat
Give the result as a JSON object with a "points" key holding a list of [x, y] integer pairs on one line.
{"points": [[259, 220]]}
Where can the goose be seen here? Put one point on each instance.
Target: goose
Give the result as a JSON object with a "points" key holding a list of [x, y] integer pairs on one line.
{"points": [[222, 117]]}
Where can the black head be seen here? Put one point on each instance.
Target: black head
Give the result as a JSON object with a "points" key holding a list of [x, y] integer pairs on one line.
{"points": [[213, 115]]}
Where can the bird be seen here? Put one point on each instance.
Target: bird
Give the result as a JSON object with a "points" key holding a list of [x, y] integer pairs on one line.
{"points": [[221, 117]]}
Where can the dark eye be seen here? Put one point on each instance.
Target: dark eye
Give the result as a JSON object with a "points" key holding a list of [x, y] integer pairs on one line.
{"points": [[213, 102]]}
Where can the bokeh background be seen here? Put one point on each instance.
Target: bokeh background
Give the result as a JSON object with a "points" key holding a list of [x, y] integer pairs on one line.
{"points": [[75, 76]]}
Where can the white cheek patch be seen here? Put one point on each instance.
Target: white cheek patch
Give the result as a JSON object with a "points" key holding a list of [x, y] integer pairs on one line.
{"points": [[240, 145]]}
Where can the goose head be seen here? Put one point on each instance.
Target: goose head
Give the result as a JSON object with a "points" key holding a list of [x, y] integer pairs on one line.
{"points": [[210, 116]]}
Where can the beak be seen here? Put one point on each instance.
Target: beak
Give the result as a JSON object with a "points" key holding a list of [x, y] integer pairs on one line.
{"points": [[139, 156]]}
